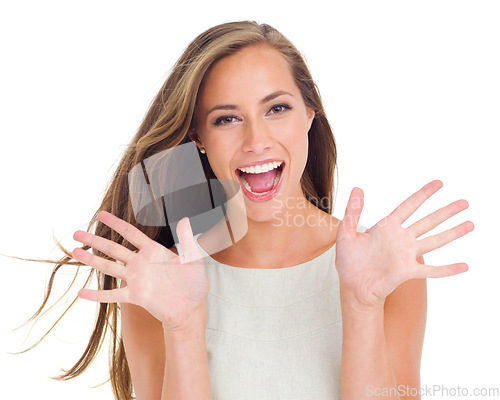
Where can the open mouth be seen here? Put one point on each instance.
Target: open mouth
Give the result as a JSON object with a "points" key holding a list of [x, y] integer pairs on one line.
{"points": [[262, 179]]}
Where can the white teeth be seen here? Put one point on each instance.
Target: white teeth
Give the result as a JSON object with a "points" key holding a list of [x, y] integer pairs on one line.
{"points": [[258, 169]]}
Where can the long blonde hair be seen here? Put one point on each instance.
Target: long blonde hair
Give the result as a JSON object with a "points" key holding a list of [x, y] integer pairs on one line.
{"points": [[167, 124]]}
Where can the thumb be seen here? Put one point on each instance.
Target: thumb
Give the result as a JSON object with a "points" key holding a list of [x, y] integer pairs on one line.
{"points": [[186, 240], [353, 210]]}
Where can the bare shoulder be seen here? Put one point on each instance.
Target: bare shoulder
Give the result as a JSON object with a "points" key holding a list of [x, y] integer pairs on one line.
{"points": [[326, 227]]}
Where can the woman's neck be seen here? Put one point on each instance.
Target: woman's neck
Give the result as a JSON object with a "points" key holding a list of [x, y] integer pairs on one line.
{"points": [[299, 236]]}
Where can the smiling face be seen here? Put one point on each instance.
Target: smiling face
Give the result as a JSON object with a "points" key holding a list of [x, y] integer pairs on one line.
{"points": [[253, 124]]}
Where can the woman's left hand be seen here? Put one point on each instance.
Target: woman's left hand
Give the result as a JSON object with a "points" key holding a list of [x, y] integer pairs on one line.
{"points": [[372, 264]]}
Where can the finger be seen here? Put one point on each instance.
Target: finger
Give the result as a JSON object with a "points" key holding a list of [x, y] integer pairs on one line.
{"points": [[128, 231], [186, 240], [429, 222], [429, 271], [106, 246], [439, 240], [412, 203], [353, 210], [105, 296], [105, 266]]}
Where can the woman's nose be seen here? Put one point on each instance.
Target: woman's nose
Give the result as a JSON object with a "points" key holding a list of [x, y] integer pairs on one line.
{"points": [[258, 139]]}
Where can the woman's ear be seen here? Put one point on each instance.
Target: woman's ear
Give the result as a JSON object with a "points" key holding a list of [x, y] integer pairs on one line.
{"points": [[310, 117], [195, 138]]}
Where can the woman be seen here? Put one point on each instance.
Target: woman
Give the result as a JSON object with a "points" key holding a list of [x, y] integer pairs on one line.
{"points": [[269, 316]]}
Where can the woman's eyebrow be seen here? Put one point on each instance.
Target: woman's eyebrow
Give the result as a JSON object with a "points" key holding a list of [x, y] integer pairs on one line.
{"points": [[269, 97], [274, 95]]}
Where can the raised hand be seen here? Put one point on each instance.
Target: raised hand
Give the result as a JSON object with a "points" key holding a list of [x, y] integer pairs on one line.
{"points": [[372, 264], [170, 287]]}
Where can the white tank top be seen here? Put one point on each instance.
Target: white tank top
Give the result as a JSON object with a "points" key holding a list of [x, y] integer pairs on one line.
{"points": [[274, 333]]}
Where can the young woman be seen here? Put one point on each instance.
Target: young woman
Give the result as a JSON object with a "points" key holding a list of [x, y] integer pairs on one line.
{"points": [[302, 305]]}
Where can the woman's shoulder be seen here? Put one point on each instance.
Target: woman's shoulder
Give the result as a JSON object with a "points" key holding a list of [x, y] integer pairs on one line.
{"points": [[327, 226], [323, 228]]}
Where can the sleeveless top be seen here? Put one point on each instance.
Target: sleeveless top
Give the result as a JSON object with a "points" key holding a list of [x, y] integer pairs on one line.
{"points": [[274, 334]]}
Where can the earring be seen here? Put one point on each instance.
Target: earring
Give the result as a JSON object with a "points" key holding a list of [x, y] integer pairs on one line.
{"points": [[202, 151]]}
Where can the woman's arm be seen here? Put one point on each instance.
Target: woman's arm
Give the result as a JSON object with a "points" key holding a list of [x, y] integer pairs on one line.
{"points": [[405, 315], [144, 348], [186, 368], [404, 318], [366, 367], [173, 289], [164, 364], [372, 266]]}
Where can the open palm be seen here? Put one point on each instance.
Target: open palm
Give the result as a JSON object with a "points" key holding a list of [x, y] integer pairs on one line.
{"points": [[168, 286], [372, 264]]}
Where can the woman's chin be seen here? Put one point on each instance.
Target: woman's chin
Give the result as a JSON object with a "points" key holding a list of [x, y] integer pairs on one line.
{"points": [[262, 212]]}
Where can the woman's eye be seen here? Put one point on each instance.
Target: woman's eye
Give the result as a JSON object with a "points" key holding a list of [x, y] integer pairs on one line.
{"points": [[226, 119], [279, 108]]}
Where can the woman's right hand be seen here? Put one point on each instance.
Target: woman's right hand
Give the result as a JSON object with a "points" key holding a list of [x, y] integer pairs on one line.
{"points": [[171, 288]]}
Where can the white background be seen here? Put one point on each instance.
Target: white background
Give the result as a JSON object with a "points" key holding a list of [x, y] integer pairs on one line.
{"points": [[411, 90]]}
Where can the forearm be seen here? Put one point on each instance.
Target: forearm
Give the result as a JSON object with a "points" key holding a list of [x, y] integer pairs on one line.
{"points": [[366, 371], [186, 364]]}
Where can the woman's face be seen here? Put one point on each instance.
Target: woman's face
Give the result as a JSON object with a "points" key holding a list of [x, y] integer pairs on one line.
{"points": [[253, 124]]}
